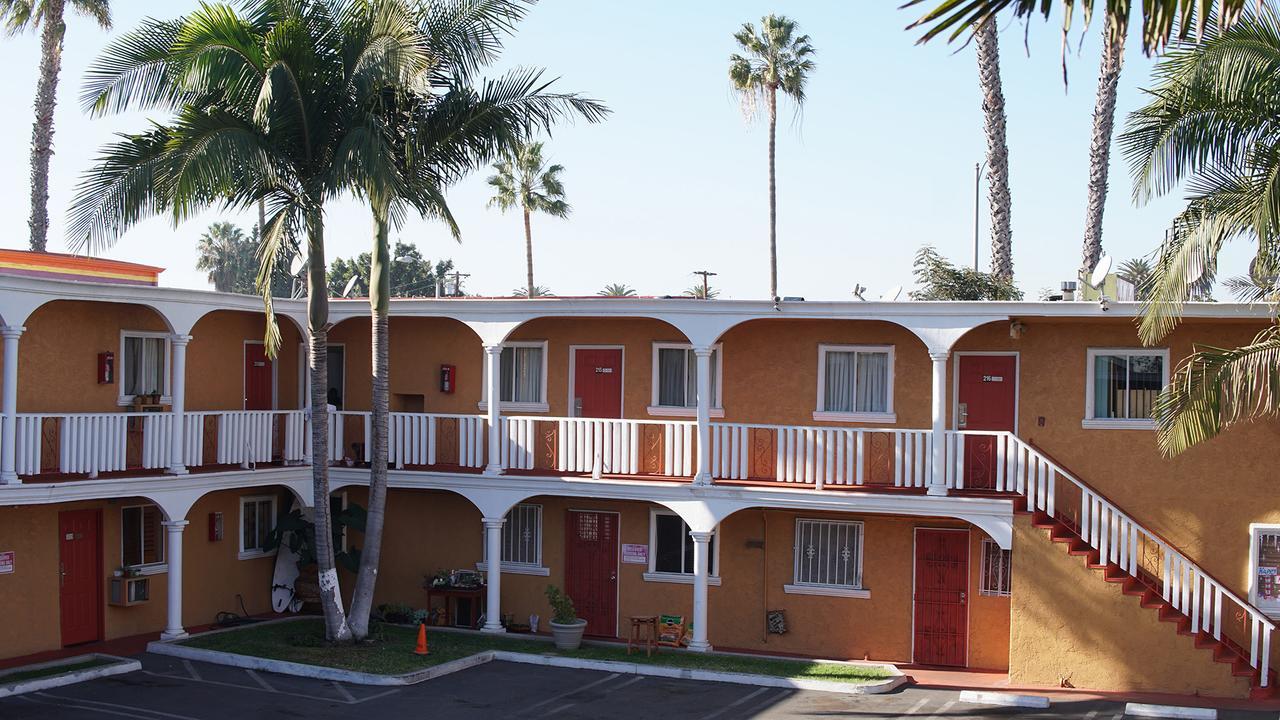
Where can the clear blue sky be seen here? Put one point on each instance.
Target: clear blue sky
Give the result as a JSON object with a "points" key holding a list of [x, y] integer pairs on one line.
{"points": [[675, 180]]}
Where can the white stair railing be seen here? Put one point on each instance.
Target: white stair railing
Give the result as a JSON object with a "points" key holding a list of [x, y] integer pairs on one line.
{"points": [[1121, 541], [819, 456]]}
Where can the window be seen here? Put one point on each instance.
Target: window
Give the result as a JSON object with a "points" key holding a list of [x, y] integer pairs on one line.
{"points": [[141, 536], [828, 558], [521, 542], [144, 366], [996, 567], [522, 377], [1264, 569], [257, 520], [1122, 387], [855, 383], [675, 380], [671, 550]]}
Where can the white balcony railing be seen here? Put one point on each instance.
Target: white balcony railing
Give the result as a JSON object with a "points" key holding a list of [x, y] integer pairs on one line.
{"points": [[591, 445], [412, 438], [821, 456]]}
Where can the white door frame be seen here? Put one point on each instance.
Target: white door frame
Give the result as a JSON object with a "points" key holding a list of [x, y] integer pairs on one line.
{"points": [[968, 584], [573, 372]]}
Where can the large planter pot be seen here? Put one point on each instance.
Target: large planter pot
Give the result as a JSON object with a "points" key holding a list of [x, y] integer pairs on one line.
{"points": [[568, 637]]}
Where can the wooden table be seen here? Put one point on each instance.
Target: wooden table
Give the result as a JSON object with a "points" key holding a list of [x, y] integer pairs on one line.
{"points": [[451, 595]]}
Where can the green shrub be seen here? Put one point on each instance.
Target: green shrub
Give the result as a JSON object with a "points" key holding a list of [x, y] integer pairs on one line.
{"points": [[562, 611]]}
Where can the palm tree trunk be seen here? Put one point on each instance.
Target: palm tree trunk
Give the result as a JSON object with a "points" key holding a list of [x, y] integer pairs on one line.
{"points": [[42, 131], [528, 253], [999, 198], [379, 302], [773, 195], [335, 621], [1104, 115]]}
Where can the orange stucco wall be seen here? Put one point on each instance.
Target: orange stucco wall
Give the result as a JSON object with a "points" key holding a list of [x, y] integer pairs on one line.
{"points": [[430, 531], [213, 575], [1069, 627], [215, 360]]}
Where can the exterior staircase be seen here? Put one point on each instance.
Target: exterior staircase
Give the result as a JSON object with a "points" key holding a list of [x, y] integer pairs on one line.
{"points": [[1145, 565]]}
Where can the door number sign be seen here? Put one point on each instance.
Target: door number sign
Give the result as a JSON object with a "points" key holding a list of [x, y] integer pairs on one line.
{"points": [[992, 378]]}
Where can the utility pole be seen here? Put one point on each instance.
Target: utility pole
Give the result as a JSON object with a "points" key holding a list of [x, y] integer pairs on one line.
{"points": [[457, 282], [706, 285]]}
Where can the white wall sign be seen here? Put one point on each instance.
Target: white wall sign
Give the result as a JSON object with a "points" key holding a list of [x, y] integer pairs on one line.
{"points": [[635, 554], [6, 562]]}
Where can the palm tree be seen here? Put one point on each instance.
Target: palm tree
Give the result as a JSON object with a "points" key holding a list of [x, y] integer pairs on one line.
{"points": [[1000, 201], [1136, 272], [1210, 128], [523, 179], [19, 16], [537, 291], [701, 292], [219, 254], [440, 129], [274, 105], [774, 59], [617, 290], [1104, 117]]}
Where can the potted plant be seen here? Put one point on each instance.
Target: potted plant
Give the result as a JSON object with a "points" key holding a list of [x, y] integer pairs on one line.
{"points": [[566, 626]]}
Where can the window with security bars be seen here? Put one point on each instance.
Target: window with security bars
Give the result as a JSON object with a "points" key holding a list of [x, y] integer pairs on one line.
{"points": [[1265, 567], [997, 565], [828, 553], [522, 536], [141, 536]]}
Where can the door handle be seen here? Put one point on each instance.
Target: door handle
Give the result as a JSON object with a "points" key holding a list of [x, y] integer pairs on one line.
{"points": [[613, 577], [62, 575], [964, 415], [962, 597]]}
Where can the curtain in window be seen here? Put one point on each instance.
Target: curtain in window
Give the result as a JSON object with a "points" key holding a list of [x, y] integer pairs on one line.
{"points": [[528, 374], [1109, 376], [839, 382], [143, 365], [507, 375], [673, 371], [872, 382], [1145, 383], [141, 541]]}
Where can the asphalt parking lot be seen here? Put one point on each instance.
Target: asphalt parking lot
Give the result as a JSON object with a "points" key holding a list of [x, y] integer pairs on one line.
{"points": [[172, 689]]}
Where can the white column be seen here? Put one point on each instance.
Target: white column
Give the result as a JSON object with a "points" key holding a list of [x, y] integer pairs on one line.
{"points": [[493, 559], [179, 345], [704, 416], [701, 571], [493, 369], [9, 395], [938, 476], [173, 557]]}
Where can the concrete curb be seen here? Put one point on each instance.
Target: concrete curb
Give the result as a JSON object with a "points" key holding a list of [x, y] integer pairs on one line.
{"points": [[703, 675], [982, 697], [1169, 711], [118, 666], [284, 667]]}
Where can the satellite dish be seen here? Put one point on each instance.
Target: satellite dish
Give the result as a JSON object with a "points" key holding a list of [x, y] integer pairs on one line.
{"points": [[346, 291], [297, 266], [1099, 274], [893, 293]]}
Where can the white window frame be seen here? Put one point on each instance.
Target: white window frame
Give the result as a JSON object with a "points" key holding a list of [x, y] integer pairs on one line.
{"points": [[717, 400], [988, 543], [1090, 422], [1272, 610], [514, 568], [888, 417], [342, 533], [807, 588], [541, 405], [652, 574], [147, 568], [166, 396], [249, 554]]}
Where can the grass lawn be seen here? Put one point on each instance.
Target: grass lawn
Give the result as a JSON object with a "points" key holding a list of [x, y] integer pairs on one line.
{"points": [[392, 652], [20, 675]]}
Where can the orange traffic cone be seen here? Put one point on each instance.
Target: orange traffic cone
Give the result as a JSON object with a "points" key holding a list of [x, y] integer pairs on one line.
{"points": [[422, 640]]}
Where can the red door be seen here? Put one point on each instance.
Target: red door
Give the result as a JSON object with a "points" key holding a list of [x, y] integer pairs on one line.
{"points": [[257, 377], [987, 401], [597, 382], [80, 565], [591, 569], [941, 597]]}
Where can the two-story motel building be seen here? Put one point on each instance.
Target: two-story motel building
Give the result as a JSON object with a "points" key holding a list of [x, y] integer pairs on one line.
{"points": [[973, 485]]}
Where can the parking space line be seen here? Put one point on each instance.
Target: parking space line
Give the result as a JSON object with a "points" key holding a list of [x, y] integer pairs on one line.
{"points": [[191, 669], [564, 695], [735, 703], [260, 680], [101, 706], [375, 696], [244, 687], [945, 707], [79, 707], [615, 688], [343, 691], [918, 706]]}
